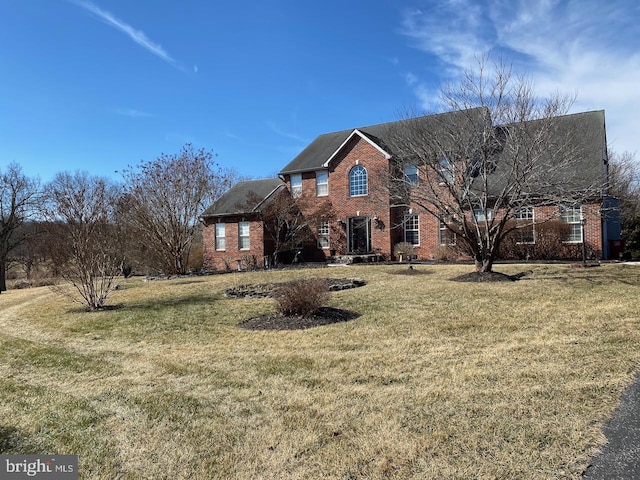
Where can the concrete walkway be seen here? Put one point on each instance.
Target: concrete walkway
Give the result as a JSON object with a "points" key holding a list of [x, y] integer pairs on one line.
{"points": [[620, 457]]}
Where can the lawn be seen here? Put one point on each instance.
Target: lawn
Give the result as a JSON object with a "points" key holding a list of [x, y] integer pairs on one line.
{"points": [[435, 379]]}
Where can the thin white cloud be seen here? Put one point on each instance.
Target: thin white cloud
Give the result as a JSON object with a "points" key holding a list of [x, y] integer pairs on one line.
{"points": [[278, 131], [571, 46], [131, 112], [137, 36], [232, 136]]}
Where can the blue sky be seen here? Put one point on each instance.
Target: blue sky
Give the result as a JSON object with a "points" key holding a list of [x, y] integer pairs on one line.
{"points": [[102, 84]]}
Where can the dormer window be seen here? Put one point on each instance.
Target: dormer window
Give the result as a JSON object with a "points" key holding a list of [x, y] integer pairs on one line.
{"points": [[358, 181]]}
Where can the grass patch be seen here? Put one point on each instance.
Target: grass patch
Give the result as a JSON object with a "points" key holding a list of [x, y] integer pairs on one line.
{"points": [[435, 379]]}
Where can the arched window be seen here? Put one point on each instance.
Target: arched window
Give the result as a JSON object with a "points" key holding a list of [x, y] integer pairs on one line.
{"points": [[358, 181]]}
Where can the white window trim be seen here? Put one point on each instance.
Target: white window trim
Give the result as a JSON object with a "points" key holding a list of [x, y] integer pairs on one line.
{"points": [[325, 184], [324, 224], [530, 222], [247, 236], [296, 190], [407, 177], [574, 222], [479, 216], [443, 231], [222, 238], [417, 229], [446, 174], [366, 175]]}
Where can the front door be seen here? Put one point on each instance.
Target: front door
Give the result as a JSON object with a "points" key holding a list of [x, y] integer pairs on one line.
{"points": [[359, 235]]}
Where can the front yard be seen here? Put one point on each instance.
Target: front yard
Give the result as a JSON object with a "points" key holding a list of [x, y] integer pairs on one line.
{"points": [[435, 379]]}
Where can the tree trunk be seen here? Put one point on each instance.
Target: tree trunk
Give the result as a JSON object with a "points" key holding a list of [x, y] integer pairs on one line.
{"points": [[484, 265], [3, 276]]}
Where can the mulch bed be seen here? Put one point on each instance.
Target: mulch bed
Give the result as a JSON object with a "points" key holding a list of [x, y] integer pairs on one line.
{"points": [[489, 277], [268, 289], [276, 321]]}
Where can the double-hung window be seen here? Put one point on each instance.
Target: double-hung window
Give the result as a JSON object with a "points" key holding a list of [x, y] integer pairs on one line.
{"points": [[573, 216], [243, 236], [296, 185], [445, 236], [445, 170], [524, 225], [482, 215], [221, 240], [411, 174], [412, 229], [322, 184]]}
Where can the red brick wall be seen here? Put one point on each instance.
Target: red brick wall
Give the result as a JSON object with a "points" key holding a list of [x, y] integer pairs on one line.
{"points": [[215, 260], [374, 205]]}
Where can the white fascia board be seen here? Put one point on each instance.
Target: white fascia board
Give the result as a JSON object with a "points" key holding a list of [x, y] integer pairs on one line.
{"points": [[255, 209], [364, 137]]}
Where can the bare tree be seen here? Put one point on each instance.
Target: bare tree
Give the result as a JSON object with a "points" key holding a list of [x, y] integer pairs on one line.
{"points": [[165, 198], [286, 226], [499, 150], [19, 199], [81, 212]]}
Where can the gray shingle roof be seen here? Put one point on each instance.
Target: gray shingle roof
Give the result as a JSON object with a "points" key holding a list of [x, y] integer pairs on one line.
{"points": [[245, 197], [324, 146], [576, 157], [584, 134]]}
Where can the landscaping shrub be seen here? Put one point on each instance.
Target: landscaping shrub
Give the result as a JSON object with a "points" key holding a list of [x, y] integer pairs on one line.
{"points": [[302, 296], [404, 249]]}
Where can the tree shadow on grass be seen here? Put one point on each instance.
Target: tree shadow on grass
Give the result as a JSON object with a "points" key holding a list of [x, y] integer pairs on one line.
{"points": [[157, 304], [10, 440]]}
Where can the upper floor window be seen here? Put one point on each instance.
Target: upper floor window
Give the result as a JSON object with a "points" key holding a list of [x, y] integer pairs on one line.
{"points": [[221, 241], [358, 181], [243, 236], [573, 216], [296, 185], [445, 170], [411, 174], [322, 184], [482, 215], [412, 229]]}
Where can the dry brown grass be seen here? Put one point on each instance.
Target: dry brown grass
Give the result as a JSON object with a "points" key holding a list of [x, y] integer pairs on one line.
{"points": [[436, 379]]}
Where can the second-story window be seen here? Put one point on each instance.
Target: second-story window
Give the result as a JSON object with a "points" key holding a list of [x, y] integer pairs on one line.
{"points": [[411, 174], [296, 185], [358, 181], [445, 170], [322, 184]]}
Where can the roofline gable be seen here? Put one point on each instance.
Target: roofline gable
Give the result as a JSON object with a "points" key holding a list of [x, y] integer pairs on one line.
{"points": [[356, 131], [265, 199]]}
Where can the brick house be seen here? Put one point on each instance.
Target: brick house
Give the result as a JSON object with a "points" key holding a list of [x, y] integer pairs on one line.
{"points": [[233, 230], [350, 168]]}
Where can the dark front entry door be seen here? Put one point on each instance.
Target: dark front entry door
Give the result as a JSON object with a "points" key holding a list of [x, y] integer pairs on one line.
{"points": [[359, 235]]}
